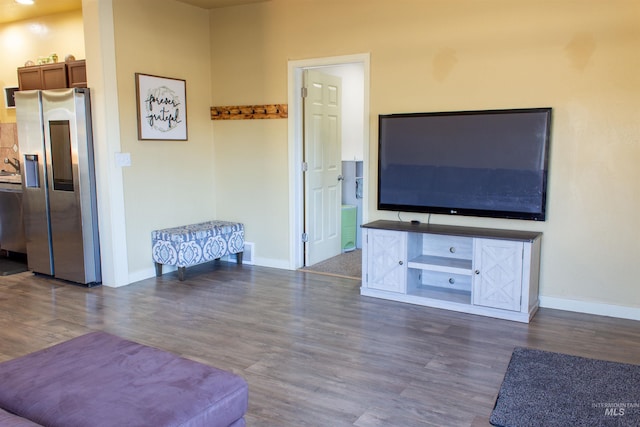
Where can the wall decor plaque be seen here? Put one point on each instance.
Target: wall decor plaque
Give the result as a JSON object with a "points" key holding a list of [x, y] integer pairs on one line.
{"points": [[162, 108]]}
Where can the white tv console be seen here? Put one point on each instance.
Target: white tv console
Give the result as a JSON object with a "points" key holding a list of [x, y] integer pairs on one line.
{"points": [[481, 271]]}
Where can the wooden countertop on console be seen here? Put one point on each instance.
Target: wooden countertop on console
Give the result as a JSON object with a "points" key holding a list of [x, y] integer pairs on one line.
{"points": [[454, 230]]}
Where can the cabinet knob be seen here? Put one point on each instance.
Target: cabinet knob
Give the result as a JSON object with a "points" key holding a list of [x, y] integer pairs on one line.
{"points": [[477, 271], [400, 262], [452, 280], [452, 249]]}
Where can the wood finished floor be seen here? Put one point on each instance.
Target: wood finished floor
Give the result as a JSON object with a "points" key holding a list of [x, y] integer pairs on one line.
{"points": [[314, 352]]}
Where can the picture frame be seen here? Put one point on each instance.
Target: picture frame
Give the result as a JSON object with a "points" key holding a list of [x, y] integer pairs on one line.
{"points": [[9, 100], [161, 104]]}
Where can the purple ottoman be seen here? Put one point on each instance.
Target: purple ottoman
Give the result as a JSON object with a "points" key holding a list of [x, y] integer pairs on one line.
{"points": [[11, 420], [100, 379]]}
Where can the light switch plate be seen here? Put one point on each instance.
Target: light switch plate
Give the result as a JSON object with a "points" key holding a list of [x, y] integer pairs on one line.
{"points": [[123, 159]]}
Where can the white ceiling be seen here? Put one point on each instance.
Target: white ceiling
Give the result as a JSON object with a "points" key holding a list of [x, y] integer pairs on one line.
{"points": [[10, 11]]}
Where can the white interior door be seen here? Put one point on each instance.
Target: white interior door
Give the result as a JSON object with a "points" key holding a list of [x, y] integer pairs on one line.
{"points": [[323, 160]]}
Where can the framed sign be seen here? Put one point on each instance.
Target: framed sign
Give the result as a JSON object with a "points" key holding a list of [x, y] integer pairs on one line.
{"points": [[162, 108], [9, 100]]}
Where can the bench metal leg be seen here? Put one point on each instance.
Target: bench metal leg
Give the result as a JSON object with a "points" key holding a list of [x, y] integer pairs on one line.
{"points": [[158, 269], [181, 273]]}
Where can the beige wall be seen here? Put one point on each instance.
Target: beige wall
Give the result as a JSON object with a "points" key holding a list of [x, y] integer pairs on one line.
{"points": [[579, 57], [170, 183], [27, 40]]}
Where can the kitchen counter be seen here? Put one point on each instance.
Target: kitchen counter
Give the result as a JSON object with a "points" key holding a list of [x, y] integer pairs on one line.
{"points": [[11, 186], [10, 181], [12, 236]]}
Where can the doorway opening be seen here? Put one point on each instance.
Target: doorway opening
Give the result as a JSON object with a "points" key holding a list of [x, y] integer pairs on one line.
{"points": [[354, 71]]}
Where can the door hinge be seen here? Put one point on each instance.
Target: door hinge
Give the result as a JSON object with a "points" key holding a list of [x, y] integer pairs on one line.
{"points": [[305, 237], [305, 166], [303, 92]]}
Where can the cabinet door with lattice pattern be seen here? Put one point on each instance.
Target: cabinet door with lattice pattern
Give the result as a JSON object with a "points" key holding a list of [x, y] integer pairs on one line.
{"points": [[497, 281], [387, 264]]}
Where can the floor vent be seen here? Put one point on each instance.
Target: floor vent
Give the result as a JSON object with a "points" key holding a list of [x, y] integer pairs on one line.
{"points": [[247, 256]]}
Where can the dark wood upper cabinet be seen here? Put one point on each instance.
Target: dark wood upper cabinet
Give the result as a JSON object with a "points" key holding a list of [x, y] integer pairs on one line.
{"points": [[53, 76], [77, 73], [29, 78]]}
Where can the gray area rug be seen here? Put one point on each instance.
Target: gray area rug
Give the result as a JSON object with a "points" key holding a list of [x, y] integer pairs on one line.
{"points": [[9, 266], [348, 264], [552, 389]]}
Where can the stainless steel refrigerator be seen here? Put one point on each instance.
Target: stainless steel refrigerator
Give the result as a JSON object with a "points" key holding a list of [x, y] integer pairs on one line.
{"points": [[58, 183]]}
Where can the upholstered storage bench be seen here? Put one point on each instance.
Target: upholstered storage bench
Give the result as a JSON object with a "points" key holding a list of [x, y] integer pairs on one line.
{"points": [[101, 380], [196, 243]]}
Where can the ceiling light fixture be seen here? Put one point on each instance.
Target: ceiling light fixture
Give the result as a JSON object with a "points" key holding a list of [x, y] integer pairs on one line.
{"points": [[25, 2]]}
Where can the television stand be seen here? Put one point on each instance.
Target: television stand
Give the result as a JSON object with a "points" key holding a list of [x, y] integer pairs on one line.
{"points": [[481, 271]]}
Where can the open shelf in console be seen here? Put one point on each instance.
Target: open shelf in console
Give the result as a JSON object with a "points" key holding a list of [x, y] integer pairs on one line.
{"points": [[438, 293], [440, 263], [441, 285]]}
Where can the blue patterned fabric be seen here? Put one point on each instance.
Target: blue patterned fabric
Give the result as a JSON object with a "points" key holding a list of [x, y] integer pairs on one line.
{"points": [[197, 243]]}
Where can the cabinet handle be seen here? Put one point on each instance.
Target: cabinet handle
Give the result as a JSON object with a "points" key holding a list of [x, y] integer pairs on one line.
{"points": [[400, 262], [477, 271]]}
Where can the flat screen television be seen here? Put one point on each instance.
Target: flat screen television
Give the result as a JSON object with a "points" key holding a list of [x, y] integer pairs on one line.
{"points": [[482, 163]]}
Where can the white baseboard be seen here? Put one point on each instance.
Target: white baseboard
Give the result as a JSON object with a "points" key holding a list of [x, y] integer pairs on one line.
{"points": [[262, 262], [148, 273], [610, 310], [273, 263]]}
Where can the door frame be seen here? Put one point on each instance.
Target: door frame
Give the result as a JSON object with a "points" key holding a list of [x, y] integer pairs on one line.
{"points": [[295, 145]]}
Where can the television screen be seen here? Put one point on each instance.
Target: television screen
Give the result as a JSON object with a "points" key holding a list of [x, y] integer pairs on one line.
{"points": [[483, 163]]}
